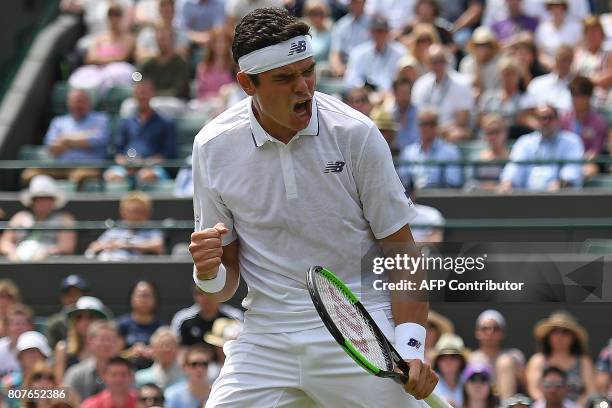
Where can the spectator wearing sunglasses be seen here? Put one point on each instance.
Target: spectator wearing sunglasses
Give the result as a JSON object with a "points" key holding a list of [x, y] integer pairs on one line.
{"points": [[150, 395], [563, 344], [42, 378], [554, 390], [73, 350], [549, 142], [507, 365], [193, 392], [477, 386]]}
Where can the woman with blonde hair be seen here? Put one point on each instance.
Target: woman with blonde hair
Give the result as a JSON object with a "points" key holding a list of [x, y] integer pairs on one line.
{"points": [[86, 310], [423, 35], [9, 295], [316, 14]]}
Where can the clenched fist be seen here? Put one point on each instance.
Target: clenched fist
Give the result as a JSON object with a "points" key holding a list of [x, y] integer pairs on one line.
{"points": [[206, 250]]}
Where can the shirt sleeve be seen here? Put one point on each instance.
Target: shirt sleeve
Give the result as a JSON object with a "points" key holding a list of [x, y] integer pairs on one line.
{"points": [[208, 206], [101, 133], [353, 77], [572, 172], [454, 174], [382, 194], [53, 132], [515, 172]]}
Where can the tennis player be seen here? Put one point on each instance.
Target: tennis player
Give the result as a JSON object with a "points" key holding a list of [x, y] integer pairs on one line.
{"points": [[284, 180]]}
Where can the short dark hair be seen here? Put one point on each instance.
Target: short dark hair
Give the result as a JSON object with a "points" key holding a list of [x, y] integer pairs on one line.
{"points": [[153, 386], [555, 370], [265, 27], [117, 360], [581, 86], [401, 81], [198, 349]]}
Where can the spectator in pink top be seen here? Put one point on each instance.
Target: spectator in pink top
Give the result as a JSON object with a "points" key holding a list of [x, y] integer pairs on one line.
{"points": [[216, 69], [583, 120]]}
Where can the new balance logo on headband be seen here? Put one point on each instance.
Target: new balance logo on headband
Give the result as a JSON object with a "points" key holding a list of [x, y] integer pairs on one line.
{"points": [[297, 48], [334, 167]]}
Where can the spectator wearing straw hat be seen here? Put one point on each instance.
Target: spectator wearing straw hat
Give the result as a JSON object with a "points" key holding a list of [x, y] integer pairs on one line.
{"points": [[223, 330], [437, 325], [480, 65], [385, 122], [449, 360], [43, 200], [563, 343]]}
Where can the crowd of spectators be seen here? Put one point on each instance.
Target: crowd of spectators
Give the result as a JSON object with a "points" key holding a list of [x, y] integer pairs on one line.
{"points": [[436, 70], [137, 360]]}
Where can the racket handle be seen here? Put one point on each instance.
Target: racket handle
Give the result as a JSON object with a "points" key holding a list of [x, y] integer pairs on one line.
{"points": [[435, 401]]}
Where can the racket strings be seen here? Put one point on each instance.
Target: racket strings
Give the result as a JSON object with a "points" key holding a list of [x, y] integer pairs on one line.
{"points": [[352, 323]]}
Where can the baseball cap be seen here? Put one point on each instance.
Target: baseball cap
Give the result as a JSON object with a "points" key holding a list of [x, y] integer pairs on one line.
{"points": [[491, 314], [74, 281], [476, 368], [33, 339]]}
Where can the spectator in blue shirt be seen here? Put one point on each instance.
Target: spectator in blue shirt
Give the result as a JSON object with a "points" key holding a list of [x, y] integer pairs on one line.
{"points": [[199, 17], [193, 392], [431, 147], [147, 138], [405, 113], [547, 143], [80, 136]]}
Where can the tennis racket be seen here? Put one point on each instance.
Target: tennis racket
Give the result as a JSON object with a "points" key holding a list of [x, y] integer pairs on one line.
{"points": [[355, 330]]}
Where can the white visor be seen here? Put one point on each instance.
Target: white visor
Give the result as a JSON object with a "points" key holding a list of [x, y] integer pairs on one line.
{"points": [[278, 55]]}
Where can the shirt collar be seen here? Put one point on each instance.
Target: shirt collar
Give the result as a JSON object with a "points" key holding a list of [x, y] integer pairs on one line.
{"points": [[260, 136]]}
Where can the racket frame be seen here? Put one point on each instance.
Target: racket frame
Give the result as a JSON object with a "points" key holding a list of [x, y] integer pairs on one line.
{"points": [[349, 348]]}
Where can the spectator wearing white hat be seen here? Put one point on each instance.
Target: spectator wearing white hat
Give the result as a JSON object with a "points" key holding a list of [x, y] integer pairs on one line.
{"points": [[43, 200], [508, 364], [32, 348], [80, 316], [449, 360]]}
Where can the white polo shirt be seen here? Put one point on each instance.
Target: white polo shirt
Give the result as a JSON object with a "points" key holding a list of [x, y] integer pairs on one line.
{"points": [[322, 199]]}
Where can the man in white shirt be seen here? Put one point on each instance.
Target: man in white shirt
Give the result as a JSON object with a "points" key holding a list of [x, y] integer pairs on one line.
{"points": [[374, 62], [347, 33], [553, 88], [284, 180], [446, 90], [496, 10]]}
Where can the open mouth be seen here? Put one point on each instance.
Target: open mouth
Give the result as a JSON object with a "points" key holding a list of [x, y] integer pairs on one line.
{"points": [[303, 110]]}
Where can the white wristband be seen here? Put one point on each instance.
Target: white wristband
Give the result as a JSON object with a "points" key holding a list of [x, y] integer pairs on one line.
{"points": [[211, 285], [410, 341]]}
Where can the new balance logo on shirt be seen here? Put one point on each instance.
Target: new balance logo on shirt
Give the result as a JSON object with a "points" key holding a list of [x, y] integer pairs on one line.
{"points": [[334, 167], [297, 48]]}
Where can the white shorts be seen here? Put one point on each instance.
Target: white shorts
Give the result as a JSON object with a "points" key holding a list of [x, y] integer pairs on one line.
{"points": [[302, 369]]}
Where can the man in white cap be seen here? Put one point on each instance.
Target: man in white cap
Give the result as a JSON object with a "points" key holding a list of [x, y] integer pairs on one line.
{"points": [[285, 180], [508, 364]]}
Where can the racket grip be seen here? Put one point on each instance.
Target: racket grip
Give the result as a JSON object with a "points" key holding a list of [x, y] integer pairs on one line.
{"points": [[435, 401]]}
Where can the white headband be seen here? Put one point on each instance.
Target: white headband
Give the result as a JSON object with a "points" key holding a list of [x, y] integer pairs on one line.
{"points": [[277, 55]]}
